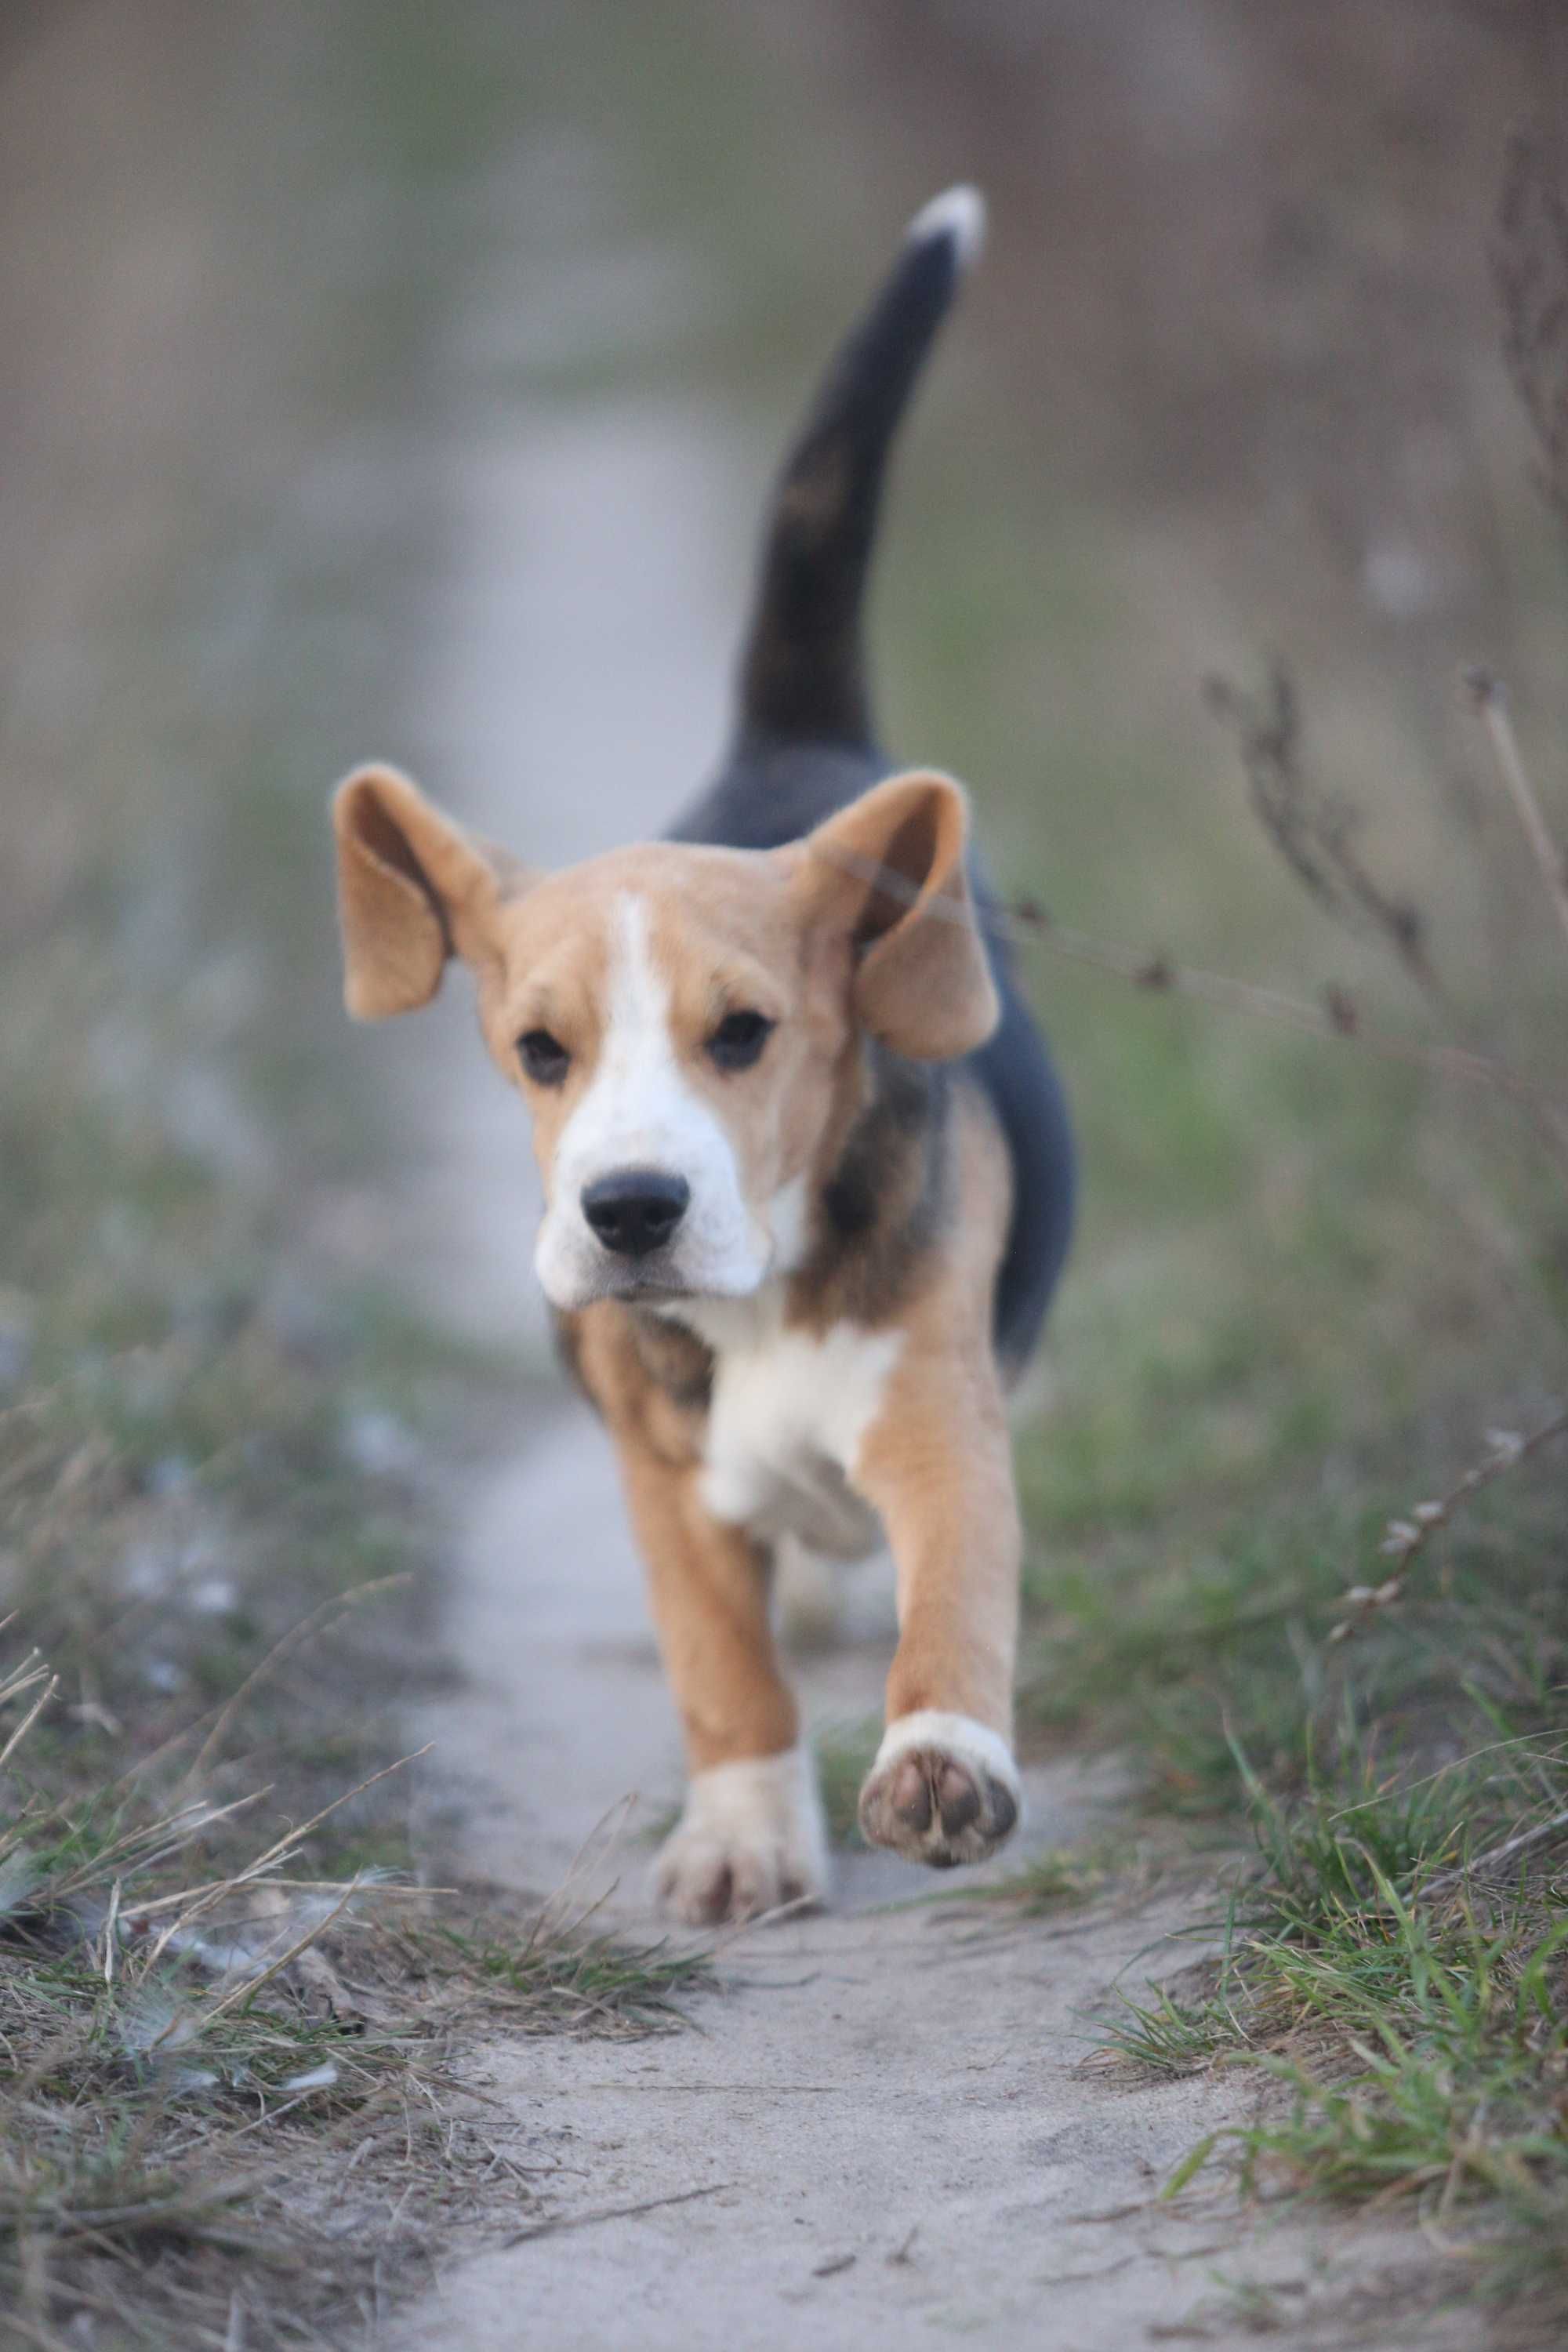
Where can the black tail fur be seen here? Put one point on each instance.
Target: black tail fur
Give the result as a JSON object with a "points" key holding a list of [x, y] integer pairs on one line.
{"points": [[801, 673]]}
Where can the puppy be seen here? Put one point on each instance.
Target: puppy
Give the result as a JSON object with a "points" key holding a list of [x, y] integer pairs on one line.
{"points": [[807, 1170]]}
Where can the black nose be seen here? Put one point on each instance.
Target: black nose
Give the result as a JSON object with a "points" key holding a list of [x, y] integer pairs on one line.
{"points": [[637, 1209]]}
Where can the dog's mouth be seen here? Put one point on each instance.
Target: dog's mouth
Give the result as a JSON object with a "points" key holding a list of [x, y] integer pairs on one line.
{"points": [[688, 1271], [649, 1282], [666, 1286]]}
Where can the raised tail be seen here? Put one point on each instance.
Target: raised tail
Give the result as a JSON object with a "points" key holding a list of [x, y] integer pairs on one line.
{"points": [[802, 673]]}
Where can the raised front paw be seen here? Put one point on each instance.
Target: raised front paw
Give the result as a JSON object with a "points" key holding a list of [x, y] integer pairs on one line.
{"points": [[943, 1789], [750, 1839]]}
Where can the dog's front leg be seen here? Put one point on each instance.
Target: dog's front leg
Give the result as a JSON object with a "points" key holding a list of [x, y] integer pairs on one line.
{"points": [[936, 1464], [751, 1834]]}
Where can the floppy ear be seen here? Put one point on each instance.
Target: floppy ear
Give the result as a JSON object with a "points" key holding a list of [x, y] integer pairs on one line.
{"points": [[412, 888], [891, 867]]}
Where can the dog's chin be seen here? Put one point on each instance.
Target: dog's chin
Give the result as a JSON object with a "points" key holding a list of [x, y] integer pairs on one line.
{"points": [[647, 1290], [648, 1282]]}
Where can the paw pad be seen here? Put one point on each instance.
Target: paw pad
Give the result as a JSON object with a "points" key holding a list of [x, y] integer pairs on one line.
{"points": [[936, 1804]]}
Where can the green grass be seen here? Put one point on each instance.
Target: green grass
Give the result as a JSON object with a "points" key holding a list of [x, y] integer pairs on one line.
{"points": [[552, 1976], [1283, 1335], [844, 1752], [1399, 1984], [1062, 1879]]}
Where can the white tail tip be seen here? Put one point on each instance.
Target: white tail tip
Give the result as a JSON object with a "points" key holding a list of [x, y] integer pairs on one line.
{"points": [[958, 213]]}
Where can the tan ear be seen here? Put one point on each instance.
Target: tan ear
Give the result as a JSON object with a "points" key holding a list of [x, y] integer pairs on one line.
{"points": [[412, 888], [893, 863]]}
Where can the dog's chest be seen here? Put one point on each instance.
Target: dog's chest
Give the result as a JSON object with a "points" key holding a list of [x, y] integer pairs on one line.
{"points": [[788, 1412]]}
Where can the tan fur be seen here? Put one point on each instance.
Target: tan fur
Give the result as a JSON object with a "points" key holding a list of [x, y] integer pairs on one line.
{"points": [[921, 986], [412, 888], [808, 937], [938, 1466], [708, 1584]]}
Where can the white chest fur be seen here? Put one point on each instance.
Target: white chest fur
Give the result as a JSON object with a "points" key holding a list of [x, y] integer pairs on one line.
{"points": [[789, 1409]]}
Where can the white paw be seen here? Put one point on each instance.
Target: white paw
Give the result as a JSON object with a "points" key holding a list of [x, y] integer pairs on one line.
{"points": [[943, 1789], [750, 1839]]}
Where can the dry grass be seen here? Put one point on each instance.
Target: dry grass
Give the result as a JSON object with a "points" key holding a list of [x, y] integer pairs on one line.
{"points": [[244, 2087]]}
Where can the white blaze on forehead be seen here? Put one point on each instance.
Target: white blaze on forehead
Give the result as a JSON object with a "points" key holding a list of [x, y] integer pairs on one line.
{"points": [[637, 1103], [640, 1110]]}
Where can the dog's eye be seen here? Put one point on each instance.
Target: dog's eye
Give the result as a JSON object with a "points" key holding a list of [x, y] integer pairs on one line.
{"points": [[739, 1039], [543, 1057]]}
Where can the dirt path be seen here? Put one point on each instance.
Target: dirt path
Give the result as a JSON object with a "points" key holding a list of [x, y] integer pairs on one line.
{"points": [[882, 2120], [883, 2127]]}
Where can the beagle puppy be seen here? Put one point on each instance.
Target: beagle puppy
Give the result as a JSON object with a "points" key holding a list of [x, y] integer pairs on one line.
{"points": [[807, 1166]]}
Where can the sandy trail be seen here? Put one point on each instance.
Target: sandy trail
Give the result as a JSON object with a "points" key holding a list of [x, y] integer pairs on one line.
{"points": [[884, 2128], [883, 2115]]}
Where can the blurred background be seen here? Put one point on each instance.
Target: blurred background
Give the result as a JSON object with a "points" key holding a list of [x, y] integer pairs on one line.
{"points": [[386, 380], [406, 382], [383, 379]]}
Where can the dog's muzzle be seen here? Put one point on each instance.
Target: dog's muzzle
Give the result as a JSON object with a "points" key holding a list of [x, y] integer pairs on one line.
{"points": [[635, 1211]]}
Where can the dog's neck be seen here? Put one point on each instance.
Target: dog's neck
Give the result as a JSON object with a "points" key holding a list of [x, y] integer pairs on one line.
{"points": [[861, 1226]]}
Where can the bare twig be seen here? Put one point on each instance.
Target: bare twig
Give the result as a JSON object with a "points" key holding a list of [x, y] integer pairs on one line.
{"points": [[251, 1985], [615, 2212], [1314, 831], [1337, 1017], [282, 1850], [23, 1681], [1490, 700], [1529, 265], [340, 1602], [1536, 1835], [364, 1883], [1408, 1539]]}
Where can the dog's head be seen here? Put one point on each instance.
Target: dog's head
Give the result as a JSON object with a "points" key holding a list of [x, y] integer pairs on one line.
{"points": [[686, 1024]]}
